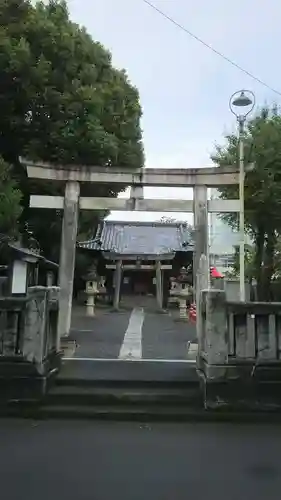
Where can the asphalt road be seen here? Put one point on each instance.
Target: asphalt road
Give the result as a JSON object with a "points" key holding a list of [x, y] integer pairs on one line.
{"points": [[131, 461]]}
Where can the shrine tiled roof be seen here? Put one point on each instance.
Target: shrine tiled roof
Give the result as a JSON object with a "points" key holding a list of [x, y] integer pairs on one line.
{"points": [[138, 238]]}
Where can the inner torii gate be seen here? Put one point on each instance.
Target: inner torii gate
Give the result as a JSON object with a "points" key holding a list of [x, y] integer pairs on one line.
{"points": [[73, 176]]}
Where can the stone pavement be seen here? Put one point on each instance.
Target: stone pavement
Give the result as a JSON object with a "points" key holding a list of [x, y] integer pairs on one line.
{"points": [[132, 334]]}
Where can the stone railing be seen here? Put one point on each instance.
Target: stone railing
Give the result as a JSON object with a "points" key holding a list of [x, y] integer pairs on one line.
{"points": [[239, 350], [29, 345], [230, 331], [254, 331], [40, 332], [11, 325], [28, 325]]}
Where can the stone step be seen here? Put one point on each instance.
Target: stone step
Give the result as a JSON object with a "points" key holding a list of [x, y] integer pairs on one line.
{"points": [[125, 412], [146, 414], [103, 371], [117, 394]]}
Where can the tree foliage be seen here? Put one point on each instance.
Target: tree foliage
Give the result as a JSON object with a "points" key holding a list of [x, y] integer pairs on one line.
{"points": [[249, 263], [262, 189], [10, 198], [61, 101]]}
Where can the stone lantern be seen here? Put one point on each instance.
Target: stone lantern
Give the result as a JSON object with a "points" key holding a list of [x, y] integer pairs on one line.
{"points": [[183, 291], [91, 290]]}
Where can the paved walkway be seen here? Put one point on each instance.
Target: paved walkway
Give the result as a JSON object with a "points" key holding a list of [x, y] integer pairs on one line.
{"points": [[131, 335]]}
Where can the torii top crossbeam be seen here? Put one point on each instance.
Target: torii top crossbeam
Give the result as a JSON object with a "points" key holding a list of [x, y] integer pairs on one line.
{"points": [[189, 177]]}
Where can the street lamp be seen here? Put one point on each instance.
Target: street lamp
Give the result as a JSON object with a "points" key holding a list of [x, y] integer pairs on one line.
{"points": [[241, 104]]}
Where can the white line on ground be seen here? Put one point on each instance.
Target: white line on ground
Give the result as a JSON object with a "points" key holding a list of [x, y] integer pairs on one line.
{"points": [[80, 331], [131, 347], [143, 360]]}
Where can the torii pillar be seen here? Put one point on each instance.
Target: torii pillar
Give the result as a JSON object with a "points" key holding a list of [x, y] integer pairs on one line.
{"points": [[67, 255], [201, 246]]}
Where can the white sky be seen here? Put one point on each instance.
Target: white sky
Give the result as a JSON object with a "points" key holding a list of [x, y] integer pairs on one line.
{"points": [[184, 87]]}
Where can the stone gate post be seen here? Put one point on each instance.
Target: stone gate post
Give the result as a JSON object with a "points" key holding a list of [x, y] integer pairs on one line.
{"points": [[67, 255], [202, 283], [201, 229]]}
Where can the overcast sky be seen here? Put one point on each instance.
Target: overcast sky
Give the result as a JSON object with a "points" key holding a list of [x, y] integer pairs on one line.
{"points": [[184, 87]]}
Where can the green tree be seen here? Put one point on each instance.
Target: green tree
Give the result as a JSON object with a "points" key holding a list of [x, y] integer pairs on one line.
{"points": [[10, 198], [61, 101], [262, 190]]}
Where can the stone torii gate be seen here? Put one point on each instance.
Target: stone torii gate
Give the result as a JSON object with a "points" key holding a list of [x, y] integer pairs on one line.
{"points": [[74, 176]]}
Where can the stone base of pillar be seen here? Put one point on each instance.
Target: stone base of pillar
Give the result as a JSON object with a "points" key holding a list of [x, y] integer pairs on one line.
{"points": [[23, 381], [245, 393], [183, 309], [90, 306]]}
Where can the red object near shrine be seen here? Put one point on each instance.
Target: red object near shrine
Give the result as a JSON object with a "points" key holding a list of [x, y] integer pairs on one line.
{"points": [[192, 310], [192, 313], [215, 273]]}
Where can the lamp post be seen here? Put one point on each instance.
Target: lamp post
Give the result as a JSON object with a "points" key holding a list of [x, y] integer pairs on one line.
{"points": [[241, 104]]}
